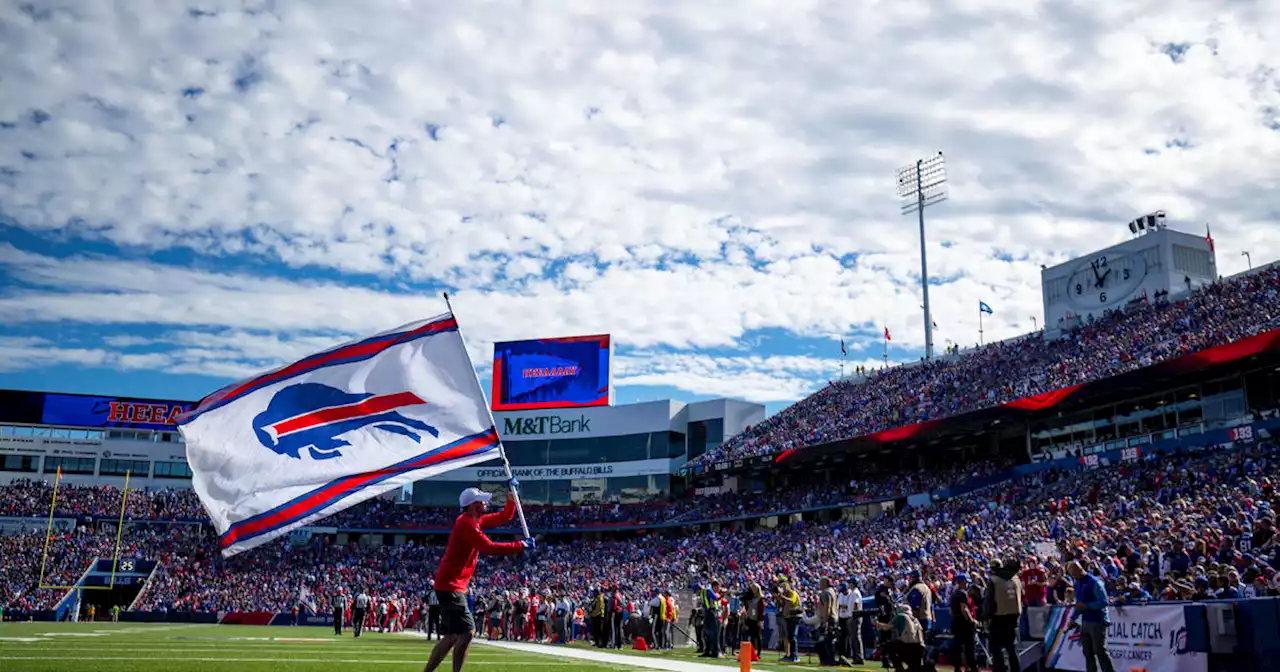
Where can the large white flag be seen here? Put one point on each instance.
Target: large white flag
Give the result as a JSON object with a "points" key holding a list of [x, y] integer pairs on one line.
{"points": [[307, 440]]}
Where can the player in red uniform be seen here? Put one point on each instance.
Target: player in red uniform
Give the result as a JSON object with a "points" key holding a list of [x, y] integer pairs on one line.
{"points": [[466, 543]]}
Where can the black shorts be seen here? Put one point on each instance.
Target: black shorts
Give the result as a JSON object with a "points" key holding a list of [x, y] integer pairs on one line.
{"points": [[455, 617]]}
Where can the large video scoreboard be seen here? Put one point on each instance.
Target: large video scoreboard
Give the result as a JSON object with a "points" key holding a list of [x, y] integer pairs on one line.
{"points": [[574, 372], [88, 411]]}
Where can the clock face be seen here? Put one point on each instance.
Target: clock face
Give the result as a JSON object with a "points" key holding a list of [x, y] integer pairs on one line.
{"points": [[1103, 282]]}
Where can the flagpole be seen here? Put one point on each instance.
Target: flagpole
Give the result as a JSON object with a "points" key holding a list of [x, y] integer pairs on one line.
{"points": [[981, 340], [502, 451]]}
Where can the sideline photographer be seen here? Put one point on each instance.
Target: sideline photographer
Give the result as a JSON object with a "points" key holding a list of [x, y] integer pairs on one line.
{"points": [[825, 634], [905, 641], [885, 610], [1003, 605], [731, 637]]}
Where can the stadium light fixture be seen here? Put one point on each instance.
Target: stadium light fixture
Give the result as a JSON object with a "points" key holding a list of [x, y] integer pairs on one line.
{"points": [[920, 185]]}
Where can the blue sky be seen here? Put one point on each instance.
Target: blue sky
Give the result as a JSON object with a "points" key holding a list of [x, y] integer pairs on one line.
{"points": [[192, 194]]}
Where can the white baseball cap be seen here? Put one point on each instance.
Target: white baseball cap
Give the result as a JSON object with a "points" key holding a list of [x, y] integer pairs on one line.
{"points": [[472, 495]]}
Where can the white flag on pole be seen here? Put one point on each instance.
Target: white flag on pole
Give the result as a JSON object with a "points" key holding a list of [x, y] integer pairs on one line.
{"points": [[302, 442]]}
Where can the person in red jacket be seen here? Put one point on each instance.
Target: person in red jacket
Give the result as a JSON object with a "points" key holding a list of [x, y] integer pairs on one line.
{"points": [[466, 543]]}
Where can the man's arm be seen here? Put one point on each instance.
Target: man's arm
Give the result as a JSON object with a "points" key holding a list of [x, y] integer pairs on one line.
{"points": [[477, 539], [504, 516]]}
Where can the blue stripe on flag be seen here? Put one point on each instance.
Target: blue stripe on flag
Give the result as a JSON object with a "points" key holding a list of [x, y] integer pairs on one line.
{"points": [[347, 354], [330, 493]]}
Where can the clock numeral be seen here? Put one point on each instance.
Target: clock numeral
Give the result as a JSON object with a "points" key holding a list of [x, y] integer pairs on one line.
{"points": [[1126, 274], [1102, 261], [1102, 297], [1079, 289]]}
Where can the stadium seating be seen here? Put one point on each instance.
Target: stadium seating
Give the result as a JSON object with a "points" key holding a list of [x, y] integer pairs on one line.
{"points": [[999, 373]]}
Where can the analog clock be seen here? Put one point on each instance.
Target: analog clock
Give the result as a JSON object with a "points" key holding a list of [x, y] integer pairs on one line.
{"points": [[1103, 281]]}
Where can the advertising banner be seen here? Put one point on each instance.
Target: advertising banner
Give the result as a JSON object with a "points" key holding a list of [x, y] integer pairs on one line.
{"points": [[585, 423], [33, 525], [551, 373], [555, 472], [1150, 637], [74, 410]]}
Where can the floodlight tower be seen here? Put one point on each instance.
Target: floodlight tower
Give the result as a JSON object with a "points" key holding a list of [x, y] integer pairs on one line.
{"points": [[920, 185]]}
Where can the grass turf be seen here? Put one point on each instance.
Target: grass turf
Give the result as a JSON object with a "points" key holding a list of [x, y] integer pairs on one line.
{"points": [[134, 647]]}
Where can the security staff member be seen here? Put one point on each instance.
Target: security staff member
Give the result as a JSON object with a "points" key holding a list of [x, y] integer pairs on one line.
{"points": [[338, 603], [358, 612], [433, 610], [598, 630], [711, 620], [849, 602]]}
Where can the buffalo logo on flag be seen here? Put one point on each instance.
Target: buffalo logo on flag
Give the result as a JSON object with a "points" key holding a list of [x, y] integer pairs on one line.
{"points": [[313, 417]]}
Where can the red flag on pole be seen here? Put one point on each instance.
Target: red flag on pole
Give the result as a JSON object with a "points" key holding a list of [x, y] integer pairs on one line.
{"points": [[1208, 236], [887, 337]]}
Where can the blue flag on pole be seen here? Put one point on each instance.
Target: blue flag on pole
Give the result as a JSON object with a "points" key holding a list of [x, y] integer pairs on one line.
{"points": [[984, 308]]}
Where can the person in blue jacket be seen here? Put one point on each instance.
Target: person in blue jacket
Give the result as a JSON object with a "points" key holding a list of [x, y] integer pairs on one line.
{"points": [[711, 620], [1094, 616]]}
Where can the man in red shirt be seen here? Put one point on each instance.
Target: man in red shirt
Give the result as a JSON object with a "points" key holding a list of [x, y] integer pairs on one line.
{"points": [[466, 543], [1035, 582]]}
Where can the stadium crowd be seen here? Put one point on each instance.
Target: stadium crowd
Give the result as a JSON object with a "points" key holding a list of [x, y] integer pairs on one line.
{"points": [[1121, 341], [1189, 526], [34, 497]]}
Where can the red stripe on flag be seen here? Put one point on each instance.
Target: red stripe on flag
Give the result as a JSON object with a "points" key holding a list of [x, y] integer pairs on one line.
{"points": [[325, 416], [358, 350], [330, 494]]}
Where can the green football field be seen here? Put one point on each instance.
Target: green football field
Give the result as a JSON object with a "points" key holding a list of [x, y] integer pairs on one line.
{"points": [[133, 647]]}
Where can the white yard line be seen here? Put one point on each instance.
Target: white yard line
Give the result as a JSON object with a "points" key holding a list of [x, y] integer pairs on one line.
{"points": [[268, 660], [422, 654], [616, 659]]}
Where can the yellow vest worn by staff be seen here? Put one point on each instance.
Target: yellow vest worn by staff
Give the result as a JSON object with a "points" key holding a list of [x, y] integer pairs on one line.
{"points": [[709, 605]]}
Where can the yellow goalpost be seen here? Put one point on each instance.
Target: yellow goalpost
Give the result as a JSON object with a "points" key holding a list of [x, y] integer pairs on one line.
{"points": [[48, 534]]}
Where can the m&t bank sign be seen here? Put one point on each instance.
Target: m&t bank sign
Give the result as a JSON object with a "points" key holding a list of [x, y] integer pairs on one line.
{"points": [[545, 424]]}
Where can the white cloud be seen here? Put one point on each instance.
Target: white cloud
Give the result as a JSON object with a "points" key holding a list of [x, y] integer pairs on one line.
{"points": [[23, 353], [695, 172], [754, 378]]}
